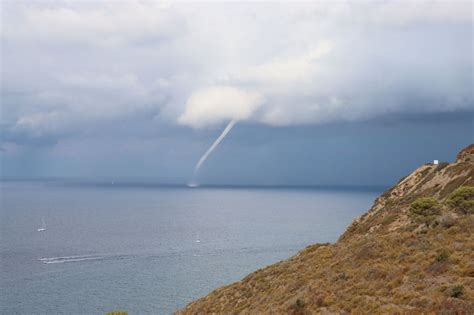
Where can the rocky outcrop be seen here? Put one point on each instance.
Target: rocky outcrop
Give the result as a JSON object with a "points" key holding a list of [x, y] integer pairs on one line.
{"points": [[466, 154]]}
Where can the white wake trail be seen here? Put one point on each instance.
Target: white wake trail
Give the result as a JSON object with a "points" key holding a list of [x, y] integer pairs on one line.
{"points": [[213, 146]]}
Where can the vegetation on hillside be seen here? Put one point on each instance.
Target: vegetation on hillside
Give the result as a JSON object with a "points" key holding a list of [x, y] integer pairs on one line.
{"points": [[425, 210], [462, 199]]}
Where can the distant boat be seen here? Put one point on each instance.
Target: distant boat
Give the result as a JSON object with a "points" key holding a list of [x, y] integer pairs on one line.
{"points": [[43, 225], [197, 239]]}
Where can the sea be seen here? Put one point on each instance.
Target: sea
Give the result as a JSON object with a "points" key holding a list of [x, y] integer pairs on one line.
{"points": [[148, 248]]}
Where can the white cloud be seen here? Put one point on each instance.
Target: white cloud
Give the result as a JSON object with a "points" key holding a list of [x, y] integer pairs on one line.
{"points": [[102, 24], [288, 69], [66, 64], [404, 13], [219, 103]]}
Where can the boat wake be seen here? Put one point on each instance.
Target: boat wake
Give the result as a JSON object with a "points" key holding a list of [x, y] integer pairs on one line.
{"points": [[113, 257], [69, 259]]}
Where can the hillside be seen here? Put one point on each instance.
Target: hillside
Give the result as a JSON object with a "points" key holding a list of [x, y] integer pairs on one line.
{"points": [[412, 252]]}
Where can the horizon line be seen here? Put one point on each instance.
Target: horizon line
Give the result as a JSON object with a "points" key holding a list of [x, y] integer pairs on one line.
{"points": [[150, 182]]}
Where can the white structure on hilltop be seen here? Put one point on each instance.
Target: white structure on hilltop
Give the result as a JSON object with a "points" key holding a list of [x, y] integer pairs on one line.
{"points": [[435, 162]]}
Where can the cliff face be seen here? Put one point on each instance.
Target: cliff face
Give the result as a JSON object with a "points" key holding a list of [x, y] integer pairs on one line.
{"points": [[412, 252]]}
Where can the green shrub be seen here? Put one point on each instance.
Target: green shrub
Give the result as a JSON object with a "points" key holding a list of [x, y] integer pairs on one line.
{"points": [[300, 303], [462, 199], [442, 256], [424, 210], [389, 219], [117, 312], [457, 291], [425, 206]]}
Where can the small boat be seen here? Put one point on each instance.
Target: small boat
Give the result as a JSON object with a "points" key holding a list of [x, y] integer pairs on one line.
{"points": [[43, 226], [197, 239]]}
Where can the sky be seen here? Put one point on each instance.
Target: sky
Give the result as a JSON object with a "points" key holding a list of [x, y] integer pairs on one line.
{"points": [[321, 93]]}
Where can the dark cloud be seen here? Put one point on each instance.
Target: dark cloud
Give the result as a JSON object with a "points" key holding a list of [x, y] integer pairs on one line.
{"points": [[92, 82]]}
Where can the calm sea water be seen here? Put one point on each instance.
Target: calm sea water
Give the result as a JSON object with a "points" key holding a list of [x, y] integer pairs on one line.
{"points": [[134, 247]]}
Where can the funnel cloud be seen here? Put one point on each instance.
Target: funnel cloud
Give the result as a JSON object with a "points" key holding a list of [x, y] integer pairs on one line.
{"points": [[214, 145]]}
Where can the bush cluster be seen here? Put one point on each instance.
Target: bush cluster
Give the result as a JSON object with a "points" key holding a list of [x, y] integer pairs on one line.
{"points": [[425, 210], [457, 291], [425, 206], [462, 199]]}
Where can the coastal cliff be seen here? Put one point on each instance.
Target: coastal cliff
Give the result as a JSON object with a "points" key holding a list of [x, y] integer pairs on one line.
{"points": [[412, 252]]}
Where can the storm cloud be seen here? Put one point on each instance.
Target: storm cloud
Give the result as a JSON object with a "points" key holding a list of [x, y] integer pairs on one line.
{"points": [[66, 63], [75, 69]]}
